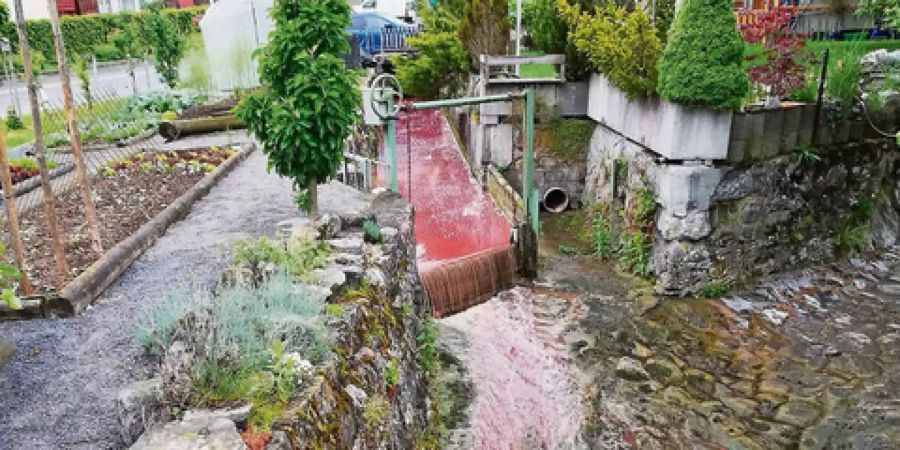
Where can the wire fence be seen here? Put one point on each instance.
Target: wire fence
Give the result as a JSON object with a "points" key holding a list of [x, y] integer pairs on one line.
{"points": [[113, 136]]}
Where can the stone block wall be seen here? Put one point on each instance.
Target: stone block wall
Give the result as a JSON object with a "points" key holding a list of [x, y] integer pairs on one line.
{"points": [[727, 223]]}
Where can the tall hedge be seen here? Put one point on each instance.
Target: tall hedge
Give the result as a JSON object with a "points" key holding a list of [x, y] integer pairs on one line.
{"points": [[82, 34], [702, 61]]}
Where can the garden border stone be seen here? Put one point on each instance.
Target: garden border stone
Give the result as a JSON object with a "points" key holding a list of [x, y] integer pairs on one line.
{"points": [[84, 289]]}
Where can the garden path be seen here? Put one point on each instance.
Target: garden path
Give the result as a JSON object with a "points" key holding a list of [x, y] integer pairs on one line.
{"points": [[60, 385]]}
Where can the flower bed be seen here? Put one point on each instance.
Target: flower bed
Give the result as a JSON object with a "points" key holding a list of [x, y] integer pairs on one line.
{"points": [[23, 169], [125, 197]]}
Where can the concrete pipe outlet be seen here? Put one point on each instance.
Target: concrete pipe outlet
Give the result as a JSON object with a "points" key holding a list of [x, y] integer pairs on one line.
{"points": [[556, 200]]}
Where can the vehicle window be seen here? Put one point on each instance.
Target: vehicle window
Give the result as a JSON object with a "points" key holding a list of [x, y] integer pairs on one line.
{"points": [[376, 22], [370, 4]]}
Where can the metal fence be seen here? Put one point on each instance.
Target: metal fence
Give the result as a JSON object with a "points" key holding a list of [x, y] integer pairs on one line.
{"points": [[110, 134]]}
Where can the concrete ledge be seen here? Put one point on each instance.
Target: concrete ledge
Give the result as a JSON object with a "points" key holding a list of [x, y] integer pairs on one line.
{"points": [[84, 289], [670, 130]]}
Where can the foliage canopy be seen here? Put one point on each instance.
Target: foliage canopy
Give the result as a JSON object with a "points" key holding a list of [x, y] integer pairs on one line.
{"points": [[702, 62], [309, 100]]}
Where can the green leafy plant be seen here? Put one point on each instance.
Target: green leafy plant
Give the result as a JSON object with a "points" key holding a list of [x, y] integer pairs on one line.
{"points": [[842, 83], [702, 63], [371, 232], [427, 341], [886, 10], [297, 256], [567, 250], [166, 46], [13, 121], [807, 155], [392, 373], [309, 100], [602, 238], [644, 208], [634, 253], [376, 411], [622, 45], [714, 289], [441, 65], [854, 230], [9, 278]]}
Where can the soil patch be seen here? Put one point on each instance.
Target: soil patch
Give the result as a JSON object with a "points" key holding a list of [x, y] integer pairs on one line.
{"points": [[124, 202]]}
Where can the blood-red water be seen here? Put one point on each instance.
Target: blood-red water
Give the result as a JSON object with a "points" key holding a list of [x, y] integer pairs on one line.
{"points": [[454, 217]]}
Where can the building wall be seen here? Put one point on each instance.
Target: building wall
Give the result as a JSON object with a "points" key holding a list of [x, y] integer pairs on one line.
{"points": [[32, 9]]}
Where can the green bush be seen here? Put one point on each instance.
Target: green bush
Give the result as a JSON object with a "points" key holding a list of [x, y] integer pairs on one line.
{"points": [[83, 34], [9, 279], [13, 121], [441, 64], [702, 64], [634, 252], [624, 46], [297, 257], [108, 52]]}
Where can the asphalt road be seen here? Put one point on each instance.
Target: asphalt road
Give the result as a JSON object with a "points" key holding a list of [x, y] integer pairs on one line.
{"points": [[105, 80]]}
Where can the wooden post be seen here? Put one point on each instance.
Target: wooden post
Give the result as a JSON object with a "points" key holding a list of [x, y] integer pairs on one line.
{"points": [[49, 201], [13, 218], [90, 213]]}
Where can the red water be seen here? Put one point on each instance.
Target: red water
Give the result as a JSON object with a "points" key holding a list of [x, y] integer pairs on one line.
{"points": [[454, 217], [525, 394]]}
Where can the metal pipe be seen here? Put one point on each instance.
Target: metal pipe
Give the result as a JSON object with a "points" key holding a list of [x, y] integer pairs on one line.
{"points": [[415, 106], [529, 194], [556, 200]]}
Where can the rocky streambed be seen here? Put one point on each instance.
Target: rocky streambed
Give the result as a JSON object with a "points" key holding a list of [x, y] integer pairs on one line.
{"points": [[589, 359]]}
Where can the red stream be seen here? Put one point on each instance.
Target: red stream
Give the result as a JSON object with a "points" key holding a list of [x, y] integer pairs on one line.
{"points": [[454, 217]]}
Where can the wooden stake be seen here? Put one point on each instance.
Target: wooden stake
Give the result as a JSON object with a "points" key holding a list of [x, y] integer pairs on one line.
{"points": [[56, 245], [13, 218], [90, 213]]}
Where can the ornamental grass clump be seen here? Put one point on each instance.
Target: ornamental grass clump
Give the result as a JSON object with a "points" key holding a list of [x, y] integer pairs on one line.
{"points": [[702, 64]]}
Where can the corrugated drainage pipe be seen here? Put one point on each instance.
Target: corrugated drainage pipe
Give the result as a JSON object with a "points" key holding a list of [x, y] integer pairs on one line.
{"points": [[556, 200]]}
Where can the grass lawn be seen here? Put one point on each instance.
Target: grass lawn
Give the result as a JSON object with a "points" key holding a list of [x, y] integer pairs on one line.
{"points": [[536, 70], [15, 138]]}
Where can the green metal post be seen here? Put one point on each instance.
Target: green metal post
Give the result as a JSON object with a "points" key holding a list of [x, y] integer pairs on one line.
{"points": [[390, 143], [529, 194]]}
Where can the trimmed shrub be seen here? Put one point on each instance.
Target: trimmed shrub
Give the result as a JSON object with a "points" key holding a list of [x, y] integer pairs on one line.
{"points": [[702, 62], [83, 34], [623, 46]]}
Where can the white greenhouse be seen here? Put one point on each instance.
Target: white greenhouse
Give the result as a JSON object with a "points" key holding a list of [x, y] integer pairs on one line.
{"points": [[232, 30]]}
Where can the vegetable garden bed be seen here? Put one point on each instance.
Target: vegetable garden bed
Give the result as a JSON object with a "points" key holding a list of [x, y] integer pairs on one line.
{"points": [[128, 193]]}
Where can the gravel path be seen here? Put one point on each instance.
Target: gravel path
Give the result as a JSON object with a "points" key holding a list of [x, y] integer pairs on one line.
{"points": [[59, 388]]}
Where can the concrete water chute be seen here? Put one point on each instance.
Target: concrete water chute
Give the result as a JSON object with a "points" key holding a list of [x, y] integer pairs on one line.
{"points": [[458, 282]]}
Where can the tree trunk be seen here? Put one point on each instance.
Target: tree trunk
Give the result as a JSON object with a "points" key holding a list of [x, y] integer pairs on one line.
{"points": [[313, 192], [49, 202], [13, 219], [134, 88], [90, 213]]}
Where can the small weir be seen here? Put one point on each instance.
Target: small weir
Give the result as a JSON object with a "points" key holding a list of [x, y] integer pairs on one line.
{"points": [[459, 284], [464, 254], [515, 357]]}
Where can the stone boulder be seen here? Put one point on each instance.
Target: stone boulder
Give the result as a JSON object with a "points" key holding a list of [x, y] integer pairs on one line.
{"points": [[203, 432], [139, 407]]}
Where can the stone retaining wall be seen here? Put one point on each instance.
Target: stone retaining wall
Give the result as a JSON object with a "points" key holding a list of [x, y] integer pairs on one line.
{"points": [[370, 394], [729, 223]]}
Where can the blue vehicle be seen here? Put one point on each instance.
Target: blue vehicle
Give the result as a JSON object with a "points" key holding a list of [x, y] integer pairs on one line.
{"points": [[379, 34]]}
